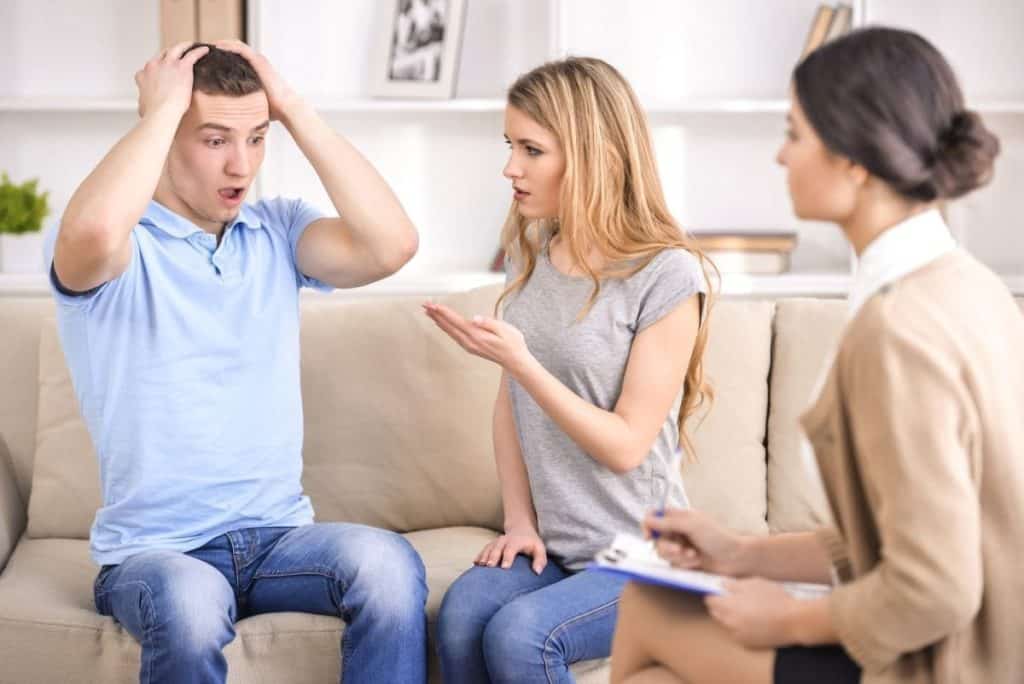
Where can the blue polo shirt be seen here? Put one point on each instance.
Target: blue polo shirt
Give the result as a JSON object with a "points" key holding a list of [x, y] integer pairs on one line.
{"points": [[186, 369]]}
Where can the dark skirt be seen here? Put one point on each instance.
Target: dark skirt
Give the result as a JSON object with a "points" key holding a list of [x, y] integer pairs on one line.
{"points": [[815, 665]]}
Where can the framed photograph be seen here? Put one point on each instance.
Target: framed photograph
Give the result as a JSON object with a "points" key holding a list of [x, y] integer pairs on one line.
{"points": [[419, 53]]}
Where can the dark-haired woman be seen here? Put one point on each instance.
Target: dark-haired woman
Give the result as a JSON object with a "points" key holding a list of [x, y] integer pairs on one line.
{"points": [[917, 430]]}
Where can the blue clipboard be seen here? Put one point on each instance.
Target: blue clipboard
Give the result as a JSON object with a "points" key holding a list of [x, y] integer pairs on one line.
{"points": [[634, 559], [688, 580]]}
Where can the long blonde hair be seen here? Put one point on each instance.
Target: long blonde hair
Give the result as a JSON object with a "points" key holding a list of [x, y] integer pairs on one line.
{"points": [[611, 198]]}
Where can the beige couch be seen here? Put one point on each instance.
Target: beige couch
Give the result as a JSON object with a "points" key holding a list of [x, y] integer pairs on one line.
{"points": [[397, 435]]}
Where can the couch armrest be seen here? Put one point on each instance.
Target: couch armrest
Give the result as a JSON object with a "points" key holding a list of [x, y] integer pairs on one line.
{"points": [[12, 508]]}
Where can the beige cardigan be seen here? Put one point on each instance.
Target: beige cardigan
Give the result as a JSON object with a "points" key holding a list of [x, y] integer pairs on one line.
{"points": [[919, 435]]}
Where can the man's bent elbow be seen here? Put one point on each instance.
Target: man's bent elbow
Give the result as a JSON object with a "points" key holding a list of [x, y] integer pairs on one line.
{"points": [[403, 250]]}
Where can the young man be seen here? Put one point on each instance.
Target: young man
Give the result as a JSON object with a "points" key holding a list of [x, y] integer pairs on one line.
{"points": [[178, 312]]}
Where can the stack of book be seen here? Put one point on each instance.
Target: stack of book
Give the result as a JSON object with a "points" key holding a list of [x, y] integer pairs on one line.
{"points": [[205, 21], [754, 252], [829, 22]]}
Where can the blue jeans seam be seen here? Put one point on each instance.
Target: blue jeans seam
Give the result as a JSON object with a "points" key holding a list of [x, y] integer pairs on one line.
{"points": [[146, 670], [253, 546], [347, 649], [235, 563], [561, 627], [99, 587], [322, 571], [97, 598]]}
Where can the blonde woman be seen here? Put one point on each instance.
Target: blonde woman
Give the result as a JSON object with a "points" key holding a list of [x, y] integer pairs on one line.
{"points": [[917, 430], [602, 328]]}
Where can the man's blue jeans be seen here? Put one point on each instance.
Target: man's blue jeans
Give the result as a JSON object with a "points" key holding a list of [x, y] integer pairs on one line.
{"points": [[511, 625], [181, 607]]}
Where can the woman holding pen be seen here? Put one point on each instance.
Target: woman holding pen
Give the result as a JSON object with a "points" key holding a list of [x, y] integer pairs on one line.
{"points": [[916, 431]]}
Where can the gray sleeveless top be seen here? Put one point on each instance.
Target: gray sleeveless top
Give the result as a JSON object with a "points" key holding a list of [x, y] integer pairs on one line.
{"points": [[580, 503]]}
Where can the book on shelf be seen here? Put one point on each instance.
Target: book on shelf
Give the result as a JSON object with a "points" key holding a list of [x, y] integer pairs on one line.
{"points": [[636, 559], [842, 20], [220, 20], [177, 22], [757, 241], [205, 21], [829, 22], [752, 263], [760, 253]]}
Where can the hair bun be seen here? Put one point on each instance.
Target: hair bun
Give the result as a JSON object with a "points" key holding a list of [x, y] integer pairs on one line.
{"points": [[965, 156], [959, 131]]}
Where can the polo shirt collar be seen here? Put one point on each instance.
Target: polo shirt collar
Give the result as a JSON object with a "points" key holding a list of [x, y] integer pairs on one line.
{"points": [[159, 216]]}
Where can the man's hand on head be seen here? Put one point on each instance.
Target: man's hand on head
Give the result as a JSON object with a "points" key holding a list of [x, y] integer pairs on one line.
{"points": [[165, 82], [280, 96]]}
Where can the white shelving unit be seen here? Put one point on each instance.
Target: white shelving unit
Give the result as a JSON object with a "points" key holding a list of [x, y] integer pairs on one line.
{"points": [[713, 78]]}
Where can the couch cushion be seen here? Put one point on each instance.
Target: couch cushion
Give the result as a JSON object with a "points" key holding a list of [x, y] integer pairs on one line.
{"points": [[398, 417], [805, 332], [65, 477], [50, 632], [20, 320], [728, 479]]}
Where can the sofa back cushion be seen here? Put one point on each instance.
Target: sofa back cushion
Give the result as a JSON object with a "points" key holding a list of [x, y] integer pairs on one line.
{"points": [[806, 332], [411, 448], [19, 383], [65, 476], [398, 421], [728, 478], [398, 417]]}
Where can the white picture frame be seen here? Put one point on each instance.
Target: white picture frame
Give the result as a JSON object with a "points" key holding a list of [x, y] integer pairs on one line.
{"points": [[418, 52]]}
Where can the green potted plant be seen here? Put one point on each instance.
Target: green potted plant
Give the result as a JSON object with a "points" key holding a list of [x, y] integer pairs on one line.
{"points": [[22, 210]]}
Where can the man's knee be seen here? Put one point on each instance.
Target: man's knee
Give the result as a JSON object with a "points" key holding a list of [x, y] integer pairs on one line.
{"points": [[178, 599], [389, 577]]}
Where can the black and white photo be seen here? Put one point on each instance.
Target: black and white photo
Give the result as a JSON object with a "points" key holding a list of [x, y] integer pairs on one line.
{"points": [[422, 49]]}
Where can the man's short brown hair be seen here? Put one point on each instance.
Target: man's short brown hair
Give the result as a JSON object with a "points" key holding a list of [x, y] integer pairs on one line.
{"points": [[220, 72]]}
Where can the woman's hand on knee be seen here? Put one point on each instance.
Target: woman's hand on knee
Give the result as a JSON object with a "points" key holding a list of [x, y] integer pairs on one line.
{"points": [[505, 548]]}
